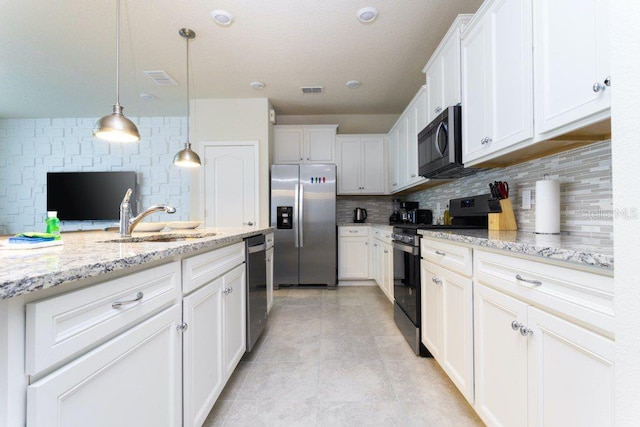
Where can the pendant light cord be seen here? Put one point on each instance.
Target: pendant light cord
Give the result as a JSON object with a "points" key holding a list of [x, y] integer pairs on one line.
{"points": [[188, 98], [117, 52]]}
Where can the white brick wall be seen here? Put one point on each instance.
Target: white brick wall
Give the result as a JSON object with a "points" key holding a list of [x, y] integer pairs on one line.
{"points": [[29, 148]]}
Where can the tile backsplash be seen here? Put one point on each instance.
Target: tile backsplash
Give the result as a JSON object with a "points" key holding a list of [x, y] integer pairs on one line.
{"points": [[29, 148], [585, 189], [379, 208]]}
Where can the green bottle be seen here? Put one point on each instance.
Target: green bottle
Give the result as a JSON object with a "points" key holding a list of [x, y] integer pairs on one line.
{"points": [[53, 224], [447, 216]]}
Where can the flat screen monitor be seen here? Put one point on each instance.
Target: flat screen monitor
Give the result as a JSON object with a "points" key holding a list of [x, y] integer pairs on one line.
{"points": [[83, 196]]}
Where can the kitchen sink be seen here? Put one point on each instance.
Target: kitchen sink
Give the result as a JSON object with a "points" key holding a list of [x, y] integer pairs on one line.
{"points": [[160, 238]]}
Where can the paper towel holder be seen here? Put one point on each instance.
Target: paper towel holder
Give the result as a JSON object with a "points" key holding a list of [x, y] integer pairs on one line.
{"points": [[556, 220]]}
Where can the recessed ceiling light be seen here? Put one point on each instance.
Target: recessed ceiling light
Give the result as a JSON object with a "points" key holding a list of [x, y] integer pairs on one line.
{"points": [[352, 84], [222, 17], [367, 14], [148, 96], [257, 85]]}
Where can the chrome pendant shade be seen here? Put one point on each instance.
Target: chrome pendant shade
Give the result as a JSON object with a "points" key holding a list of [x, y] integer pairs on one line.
{"points": [[116, 127], [187, 157]]}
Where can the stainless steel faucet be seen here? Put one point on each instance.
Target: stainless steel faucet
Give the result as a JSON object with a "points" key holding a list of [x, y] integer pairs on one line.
{"points": [[127, 224]]}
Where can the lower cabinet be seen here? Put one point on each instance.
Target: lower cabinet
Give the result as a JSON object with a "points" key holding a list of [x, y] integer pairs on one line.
{"points": [[234, 318], [447, 323], [534, 368], [134, 380], [382, 266], [353, 253]]}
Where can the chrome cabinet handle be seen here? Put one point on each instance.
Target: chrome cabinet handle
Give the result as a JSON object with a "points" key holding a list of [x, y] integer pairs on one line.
{"points": [[119, 304], [438, 109], [515, 325], [440, 253], [607, 81], [598, 87], [228, 290], [301, 158], [182, 327], [248, 223], [307, 158], [375, 245], [533, 282], [386, 251], [353, 231], [436, 280], [413, 175], [524, 331]]}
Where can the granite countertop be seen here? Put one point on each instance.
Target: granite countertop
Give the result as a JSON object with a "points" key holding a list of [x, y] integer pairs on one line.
{"points": [[365, 224], [566, 248], [86, 254]]}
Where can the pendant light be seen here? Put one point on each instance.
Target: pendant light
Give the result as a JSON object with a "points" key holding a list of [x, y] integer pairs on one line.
{"points": [[187, 157], [116, 127]]}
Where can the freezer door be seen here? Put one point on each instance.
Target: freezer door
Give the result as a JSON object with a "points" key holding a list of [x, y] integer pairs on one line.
{"points": [[284, 184], [317, 225]]}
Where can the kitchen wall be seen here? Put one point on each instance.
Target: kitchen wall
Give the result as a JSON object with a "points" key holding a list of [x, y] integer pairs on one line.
{"points": [[347, 123], [29, 148], [585, 189], [379, 208]]}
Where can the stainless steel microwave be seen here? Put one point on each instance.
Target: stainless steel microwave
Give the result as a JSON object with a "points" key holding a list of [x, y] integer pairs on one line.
{"points": [[440, 147]]}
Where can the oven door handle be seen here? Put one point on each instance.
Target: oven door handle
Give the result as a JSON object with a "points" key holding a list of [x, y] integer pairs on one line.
{"points": [[413, 250]]}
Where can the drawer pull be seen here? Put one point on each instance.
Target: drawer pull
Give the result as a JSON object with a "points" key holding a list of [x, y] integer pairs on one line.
{"points": [[119, 304], [533, 282], [353, 231], [524, 331], [515, 325], [436, 280], [440, 253]]}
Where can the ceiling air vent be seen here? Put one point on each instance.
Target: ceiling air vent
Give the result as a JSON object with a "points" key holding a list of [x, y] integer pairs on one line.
{"points": [[311, 89], [161, 78]]}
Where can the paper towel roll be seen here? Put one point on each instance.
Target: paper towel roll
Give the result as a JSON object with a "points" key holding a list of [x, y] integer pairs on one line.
{"points": [[548, 206]]}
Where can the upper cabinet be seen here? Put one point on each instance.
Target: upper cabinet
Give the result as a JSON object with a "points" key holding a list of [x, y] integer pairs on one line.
{"points": [[572, 69], [443, 71], [304, 144], [497, 79], [361, 165]]}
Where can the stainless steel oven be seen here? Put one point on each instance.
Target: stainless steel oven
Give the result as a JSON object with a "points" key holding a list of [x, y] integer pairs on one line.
{"points": [[406, 285]]}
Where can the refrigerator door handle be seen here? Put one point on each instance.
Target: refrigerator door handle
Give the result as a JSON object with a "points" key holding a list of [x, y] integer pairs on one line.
{"points": [[296, 217], [301, 216]]}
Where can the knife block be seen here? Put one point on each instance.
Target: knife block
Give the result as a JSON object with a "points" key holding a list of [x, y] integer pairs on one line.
{"points": [[504, 220]]}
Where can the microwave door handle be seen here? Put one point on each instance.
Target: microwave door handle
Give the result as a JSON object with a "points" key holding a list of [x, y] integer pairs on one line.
{"points": [[296, 216], [437, 139]]}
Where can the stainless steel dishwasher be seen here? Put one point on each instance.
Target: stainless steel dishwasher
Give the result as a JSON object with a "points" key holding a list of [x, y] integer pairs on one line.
{"points": [[256, 288]]}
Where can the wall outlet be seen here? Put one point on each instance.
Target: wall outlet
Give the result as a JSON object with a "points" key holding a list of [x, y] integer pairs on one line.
{"points": [[526, 199]]}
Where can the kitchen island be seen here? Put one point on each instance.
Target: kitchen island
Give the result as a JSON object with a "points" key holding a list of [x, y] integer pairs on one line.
{"points": [[147, 329]]}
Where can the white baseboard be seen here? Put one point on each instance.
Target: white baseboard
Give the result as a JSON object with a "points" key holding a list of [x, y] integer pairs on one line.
{"points": [[357, 283]]}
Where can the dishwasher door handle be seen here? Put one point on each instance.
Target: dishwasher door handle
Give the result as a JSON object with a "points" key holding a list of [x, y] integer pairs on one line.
{"points": [[257, 248]]}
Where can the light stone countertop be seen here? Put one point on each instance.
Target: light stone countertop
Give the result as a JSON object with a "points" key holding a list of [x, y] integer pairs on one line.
{"points": [[566, 248], [85, 255]]}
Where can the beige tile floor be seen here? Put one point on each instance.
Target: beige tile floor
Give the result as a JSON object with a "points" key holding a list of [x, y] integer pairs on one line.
{"points": [[335, 358]]}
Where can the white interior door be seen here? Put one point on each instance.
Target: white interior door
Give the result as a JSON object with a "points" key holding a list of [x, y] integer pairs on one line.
{"points": [[230, 195]]}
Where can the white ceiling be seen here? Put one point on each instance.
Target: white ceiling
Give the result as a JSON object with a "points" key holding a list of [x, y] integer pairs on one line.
{"points": [[58, 57]]}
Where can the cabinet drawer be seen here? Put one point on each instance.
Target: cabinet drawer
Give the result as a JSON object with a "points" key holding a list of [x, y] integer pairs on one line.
{"points": [[269, 239], [67, 325], [574, 294], [382, 235], [201, 269], [454, 257], [354, 231]]}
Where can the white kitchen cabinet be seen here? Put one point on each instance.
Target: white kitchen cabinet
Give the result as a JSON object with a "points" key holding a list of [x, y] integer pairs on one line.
{"points": [[134, 379], [304, 144], [234, 318], [393, 160], [572, 64], [497, 79], [361, 164], [403, 146], [443, 71], [202, 347], [417, 121], [269, 255], [382, 260], [353, 253]]}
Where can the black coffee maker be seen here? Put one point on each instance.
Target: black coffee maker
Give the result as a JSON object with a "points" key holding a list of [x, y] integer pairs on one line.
{"points": [[401, 211], [395, 217]]}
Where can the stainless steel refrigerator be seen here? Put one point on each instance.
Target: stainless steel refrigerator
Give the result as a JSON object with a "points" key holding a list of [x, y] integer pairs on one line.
{"points": [[303, 212]]}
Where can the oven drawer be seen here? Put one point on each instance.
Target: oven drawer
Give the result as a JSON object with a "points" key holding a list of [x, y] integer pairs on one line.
{"points": [[456, 258], [580, 296], [359, 231]]}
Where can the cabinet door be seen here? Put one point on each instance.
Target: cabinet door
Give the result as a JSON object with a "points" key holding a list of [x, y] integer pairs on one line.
{"points": [[457, 330], [571, 381], [417, 118], [288, 145], [202, 352], [349, 162], [475, 92], [135, 379], [387, 269], [500, 358], [375, 262], [353, 258], [431, 306], [434, 89], [320, 145], [269, 256], [234, 320], [393, 160], [571, 55], [450, 66], [403, 132], [372, 155], [511, 67]]}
